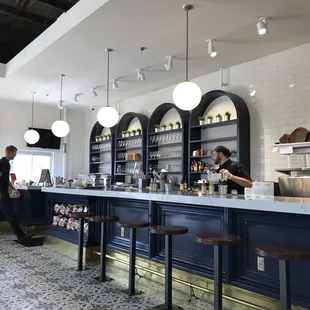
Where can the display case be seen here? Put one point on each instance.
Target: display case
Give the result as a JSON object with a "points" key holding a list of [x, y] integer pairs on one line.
{"points": [[130, 146], [221, 118], [101, 150], [167, 141]]}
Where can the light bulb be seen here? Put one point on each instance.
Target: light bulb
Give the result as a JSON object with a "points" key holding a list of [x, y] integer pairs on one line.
{"points": [[187, 95], [262, 26], [213, 54], [107, 117], [31, 136], [60, 128]]}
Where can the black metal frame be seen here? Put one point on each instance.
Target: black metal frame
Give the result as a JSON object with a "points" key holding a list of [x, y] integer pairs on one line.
{"points": [[156, 118], [123, 125], [97, 130], [285, 286], [243, 126]]}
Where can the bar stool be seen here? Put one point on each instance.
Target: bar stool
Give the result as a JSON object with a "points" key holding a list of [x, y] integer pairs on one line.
{"points": [[104, 220], [81, 217], [218, 241], [168, 231], [133, 225], [284, 253]]}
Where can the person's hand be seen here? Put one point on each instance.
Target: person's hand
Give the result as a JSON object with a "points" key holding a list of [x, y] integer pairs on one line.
{"points": [[17, 192], [226, 174]]}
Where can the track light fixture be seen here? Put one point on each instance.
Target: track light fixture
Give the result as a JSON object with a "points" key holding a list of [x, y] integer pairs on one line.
{"points": [[114, 84], [262, 26], [76, 98], [211, 49], [168, 66], [94, 93], [140, 75]]}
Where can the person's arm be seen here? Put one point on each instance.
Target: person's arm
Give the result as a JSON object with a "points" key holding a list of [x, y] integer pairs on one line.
{"points": [[243, 178]]}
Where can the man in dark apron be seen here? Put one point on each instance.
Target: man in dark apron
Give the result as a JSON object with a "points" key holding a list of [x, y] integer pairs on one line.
{"points": [[236, 174]]}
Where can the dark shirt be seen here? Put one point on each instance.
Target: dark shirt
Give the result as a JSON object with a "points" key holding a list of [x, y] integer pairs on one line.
{"points": [[238, 170], [5, 178]]}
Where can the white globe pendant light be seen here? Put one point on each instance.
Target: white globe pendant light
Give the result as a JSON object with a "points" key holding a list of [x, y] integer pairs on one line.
{"points": [[31, 136], [108, 116], [187, 95], [60, 128]]}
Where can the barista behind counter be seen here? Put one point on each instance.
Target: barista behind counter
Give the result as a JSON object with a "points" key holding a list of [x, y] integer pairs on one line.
{"points": [[237, 176]]}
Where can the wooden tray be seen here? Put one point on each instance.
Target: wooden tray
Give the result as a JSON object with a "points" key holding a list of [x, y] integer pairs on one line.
{"points": [[300, 134]]}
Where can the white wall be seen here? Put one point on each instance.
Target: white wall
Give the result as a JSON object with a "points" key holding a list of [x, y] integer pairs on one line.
{"points": [[281, 102], [15, 118]]}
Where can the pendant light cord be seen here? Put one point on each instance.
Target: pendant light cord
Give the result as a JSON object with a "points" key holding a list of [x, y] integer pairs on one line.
{"points": [[32, 112], [186, 56], [61, 101], [108, 76]]}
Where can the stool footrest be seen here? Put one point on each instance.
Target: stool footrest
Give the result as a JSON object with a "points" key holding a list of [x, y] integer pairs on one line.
{"points": [[127, 292], [163, 307]]}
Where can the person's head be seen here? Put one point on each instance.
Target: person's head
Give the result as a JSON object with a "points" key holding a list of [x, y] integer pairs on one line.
{"points": [[220, 154], [10, 152]]}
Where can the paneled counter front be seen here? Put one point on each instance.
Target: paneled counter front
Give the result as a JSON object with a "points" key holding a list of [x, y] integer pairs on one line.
{"points": [[273, 220]]}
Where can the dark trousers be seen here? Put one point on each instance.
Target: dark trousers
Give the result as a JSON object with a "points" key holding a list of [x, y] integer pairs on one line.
{"points": [[6, 207]]}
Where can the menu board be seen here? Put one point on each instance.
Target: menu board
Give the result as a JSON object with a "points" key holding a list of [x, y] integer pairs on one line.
{"points": [[45, 177]]}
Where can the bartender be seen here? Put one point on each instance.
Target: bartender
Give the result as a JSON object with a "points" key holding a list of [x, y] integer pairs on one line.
{"points": [[236, 174]]}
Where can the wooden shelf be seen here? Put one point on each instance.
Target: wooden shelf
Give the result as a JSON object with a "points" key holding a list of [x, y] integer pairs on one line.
{"points": [[100, 142], [130, 161], [166, 145], [129, 149], [210, 156], [293, 145], [99, 152], [164, 158], [289, 169], [218, 124], [165, 131], [215, 140], [130, 138]]}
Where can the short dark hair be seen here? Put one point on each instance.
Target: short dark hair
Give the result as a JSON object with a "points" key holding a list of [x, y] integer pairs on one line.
{"points": [[10, 149], [223, 149]]}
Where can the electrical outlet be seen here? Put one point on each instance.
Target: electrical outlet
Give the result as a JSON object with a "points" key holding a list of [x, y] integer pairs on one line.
{"points": [[260, 263], [122, 232]]}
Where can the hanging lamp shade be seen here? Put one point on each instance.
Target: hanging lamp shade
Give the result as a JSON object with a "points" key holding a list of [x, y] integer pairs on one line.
{"points": [[186, 95], [31, 136], [108, 116], [60, 128]]}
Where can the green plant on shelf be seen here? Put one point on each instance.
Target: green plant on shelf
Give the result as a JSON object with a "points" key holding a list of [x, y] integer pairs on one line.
{"points": [[139, 131], [201, 120], [219, 117], [227, 116], [209, 119], [157, 127], [177, 125], [170, 126], [163, 127], [134, 132]]}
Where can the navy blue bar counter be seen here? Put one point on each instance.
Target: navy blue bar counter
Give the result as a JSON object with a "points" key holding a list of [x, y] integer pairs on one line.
{"points": [[273, 220]]}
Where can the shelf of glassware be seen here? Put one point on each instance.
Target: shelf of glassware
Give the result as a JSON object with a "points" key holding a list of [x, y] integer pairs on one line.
{"points": [[101, 157], [165, 151]]}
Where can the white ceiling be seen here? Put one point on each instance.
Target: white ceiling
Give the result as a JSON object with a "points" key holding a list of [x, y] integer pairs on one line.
{"points": [[125, 26]]}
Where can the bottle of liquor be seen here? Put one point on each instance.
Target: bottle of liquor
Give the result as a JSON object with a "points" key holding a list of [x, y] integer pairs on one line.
{"points": [[204, 187], [182, 184], [185, 183]]}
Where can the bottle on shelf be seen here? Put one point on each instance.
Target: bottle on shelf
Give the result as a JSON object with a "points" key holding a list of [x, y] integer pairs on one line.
{"points": [[155, 187], [211, 188], [204, 187], [185, 183], [182, 184]]}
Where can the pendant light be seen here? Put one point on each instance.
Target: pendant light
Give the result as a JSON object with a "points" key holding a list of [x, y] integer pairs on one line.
{"points": [[60, 128], [31, 136], [187, 95], [108, 116]]}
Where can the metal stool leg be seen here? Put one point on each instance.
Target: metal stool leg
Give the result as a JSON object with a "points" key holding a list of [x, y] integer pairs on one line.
{"points": [[81, 244], [218, 278], [168, 273], [103, 252], [285, 290]]}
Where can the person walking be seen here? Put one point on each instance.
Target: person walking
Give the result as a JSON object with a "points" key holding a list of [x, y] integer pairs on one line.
{"points": [[6, 203]]}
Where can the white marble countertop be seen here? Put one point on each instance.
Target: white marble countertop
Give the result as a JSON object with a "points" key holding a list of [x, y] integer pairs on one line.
{"points": [[28, 188], [271, 204]]}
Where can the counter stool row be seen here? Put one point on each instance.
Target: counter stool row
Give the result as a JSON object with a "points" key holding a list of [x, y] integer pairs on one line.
{"points": [[281, 252]]}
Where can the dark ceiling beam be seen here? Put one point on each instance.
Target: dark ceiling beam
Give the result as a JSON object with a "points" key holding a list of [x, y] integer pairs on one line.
{"points": [[57, 4], [26, 16]]}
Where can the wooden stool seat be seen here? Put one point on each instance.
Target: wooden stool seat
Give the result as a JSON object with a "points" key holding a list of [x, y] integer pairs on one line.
{"points": [[282, 251], [133, 224], [104, 219], [217, 239], [168, 230], [79, 215]]}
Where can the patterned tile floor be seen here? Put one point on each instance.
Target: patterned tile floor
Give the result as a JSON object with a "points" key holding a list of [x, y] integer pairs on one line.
{"points": [[41, 279]]}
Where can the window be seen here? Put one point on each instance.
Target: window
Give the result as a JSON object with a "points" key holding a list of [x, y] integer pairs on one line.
{"points": [[28, 166]]}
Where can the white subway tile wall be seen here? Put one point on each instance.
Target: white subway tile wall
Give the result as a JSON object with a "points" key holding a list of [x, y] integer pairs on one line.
{"points": [[276, 90]]}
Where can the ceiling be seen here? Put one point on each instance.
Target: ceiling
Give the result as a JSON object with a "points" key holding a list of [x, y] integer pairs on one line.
{"points": [[21, 21], [75, 45]]}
